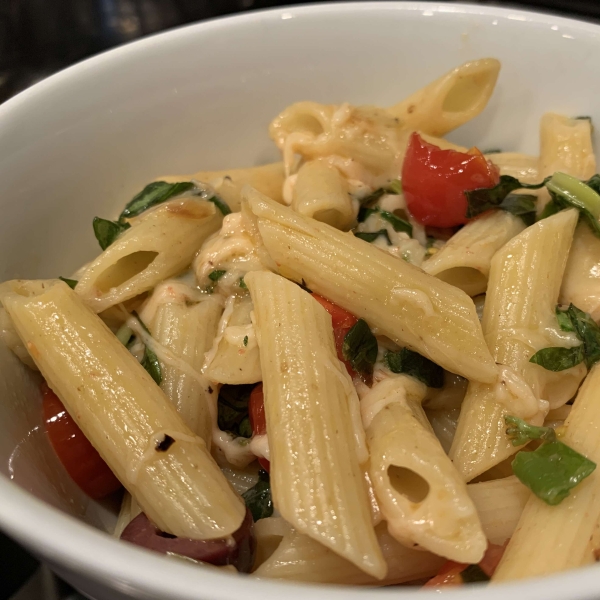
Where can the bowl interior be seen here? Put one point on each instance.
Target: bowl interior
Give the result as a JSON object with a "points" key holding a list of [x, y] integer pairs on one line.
{"points": [[83, 142]]}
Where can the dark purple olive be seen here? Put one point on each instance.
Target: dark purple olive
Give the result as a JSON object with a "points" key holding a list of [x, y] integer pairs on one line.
{"points": [[239, 552]]}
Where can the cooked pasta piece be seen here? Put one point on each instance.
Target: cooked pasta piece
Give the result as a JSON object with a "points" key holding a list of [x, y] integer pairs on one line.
{"points": [[444, 422], [420, 494], [316, 480], [188, 331], [159, 244], [525, 168], [129, 511], [518, 320], [451, 100], [123, 413], [464, 261], [228, 183], [548, 538], [412, 308], [322, 193]]}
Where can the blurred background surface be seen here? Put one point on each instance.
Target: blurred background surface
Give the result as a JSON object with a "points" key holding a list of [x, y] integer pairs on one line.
{"points": [[40, 37]]}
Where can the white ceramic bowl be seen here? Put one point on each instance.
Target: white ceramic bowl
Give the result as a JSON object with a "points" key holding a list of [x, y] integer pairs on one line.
{"points": [[84, 141]]}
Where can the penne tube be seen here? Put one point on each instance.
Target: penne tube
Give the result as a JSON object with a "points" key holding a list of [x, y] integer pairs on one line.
{"points": [[450, 101], [521, 166], [124, 414], [411, 307], [550, 539], [518, 320], [160, 243], [316, 479], [420, 494], [464, 261]]}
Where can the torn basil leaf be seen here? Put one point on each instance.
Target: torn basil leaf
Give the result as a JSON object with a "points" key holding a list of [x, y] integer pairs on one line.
{"points": [[394, 187], [364, 213], [564, 319], [583, 118], [522, 432], [258, 498], [558, 359], [396, 222], [304, 286], [151, 364], [232, 410], [216, 274], [220, 204], [412, 363], [474, 574], [245, 340], [70, 282], [484, 199], [552, 470], [588, 332], [107, 232], [372, 236], [242, 283], [360, 348], [520, 205], [492, 151], [153, 194]]}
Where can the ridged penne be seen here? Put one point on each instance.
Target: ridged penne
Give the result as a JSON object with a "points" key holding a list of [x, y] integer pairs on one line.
{"points": [[409, 306], [420, 494], [123, 413], [518, 320], [316, 480], [522, 166], [548, 538], [159, 244], [464, 261]]}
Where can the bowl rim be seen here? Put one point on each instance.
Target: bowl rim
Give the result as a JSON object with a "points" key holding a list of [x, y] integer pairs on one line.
{"points": [[130, 569]]}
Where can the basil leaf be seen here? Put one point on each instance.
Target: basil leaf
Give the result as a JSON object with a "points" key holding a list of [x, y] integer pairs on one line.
{"points": [[552, 207], [394, 187], [360, 348], [232, 409], [492, 151], [304, 286], [483, 199], [220, 204], [151, 364], [583, 118], [520, 205], [154, 193], [216, 274], [364, 213], [588, 332], [258, 498], [558, 359], [70, 282], [522, 432], [474, 574], [552, 470], [242, 284], [371, 237], [594, 183], [245, 340], [417, 366], [107, 232], [396, 222], [564, 319]]}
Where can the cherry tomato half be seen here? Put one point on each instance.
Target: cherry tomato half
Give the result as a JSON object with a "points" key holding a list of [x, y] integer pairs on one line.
{"points": [[434, 181], [258, 420], [81, 460]]}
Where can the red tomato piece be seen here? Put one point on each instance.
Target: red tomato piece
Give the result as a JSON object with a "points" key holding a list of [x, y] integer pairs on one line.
{"points": [[258, 420], [434, 181], [81, 460]]}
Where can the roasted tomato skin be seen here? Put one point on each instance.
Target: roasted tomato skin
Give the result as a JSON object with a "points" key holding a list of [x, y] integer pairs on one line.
{"points": [[258, 420], [142, 532], [81, 460], [434, 181]]}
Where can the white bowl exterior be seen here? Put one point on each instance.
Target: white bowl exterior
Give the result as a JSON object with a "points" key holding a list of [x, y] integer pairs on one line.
{"points": [[83, 142]]}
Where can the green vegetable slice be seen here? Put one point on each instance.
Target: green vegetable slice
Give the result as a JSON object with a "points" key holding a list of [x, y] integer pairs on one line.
{"points": [[371, 237], [552, 470], [558, 359], [153, 194], [107, 232], [151, 364], [258, 498], [70, 282], [413, 364], [232, 410], [520, 205], [394, 187], [216, 274], [220, 204], [522, 432], [360, 348], [242, 284]]}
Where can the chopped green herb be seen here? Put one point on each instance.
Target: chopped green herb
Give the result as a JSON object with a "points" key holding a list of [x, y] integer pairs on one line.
{"points": [[372, 236], [522, 432], [394, 187], [520, 205], [220, 204], [258, 498], [232, 409], [396, 222], [564, 319], [483, 199], [304, 286], [558, 359], [492, 151], [417, 366], [242, 284], [360, 348], [216, 274], [583, 118], [364, 213], [153, 194], [245, 340], [552, 470], [107, 232], [70, 282], [474, 574], [151, 364]]}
